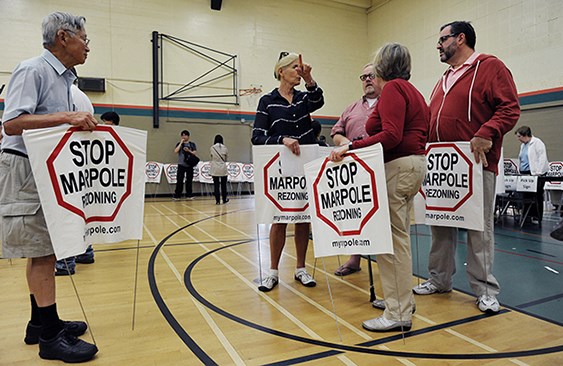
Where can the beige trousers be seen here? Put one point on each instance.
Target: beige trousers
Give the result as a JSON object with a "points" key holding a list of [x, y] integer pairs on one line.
{"points": [[404, 177]]}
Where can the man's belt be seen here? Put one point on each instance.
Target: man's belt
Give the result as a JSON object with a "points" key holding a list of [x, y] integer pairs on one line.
{"points": [[15, 152]]}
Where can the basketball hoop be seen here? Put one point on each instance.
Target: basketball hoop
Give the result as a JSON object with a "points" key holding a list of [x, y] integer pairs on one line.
{"points": [[249, 91]]}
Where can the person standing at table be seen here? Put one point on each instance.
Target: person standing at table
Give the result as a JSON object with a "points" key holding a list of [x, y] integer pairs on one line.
{"points": [[283, 118], [219, 156], [476, 101], [533, 161]]}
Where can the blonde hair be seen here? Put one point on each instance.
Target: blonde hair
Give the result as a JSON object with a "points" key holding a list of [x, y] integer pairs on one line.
{"points": [[393, 61], [284, 61]]}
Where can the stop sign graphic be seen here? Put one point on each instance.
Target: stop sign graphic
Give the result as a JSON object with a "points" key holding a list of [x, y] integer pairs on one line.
{"points": [[346, 195], [447, 185], [91, 173], [152, 171], [248, 171], [288, 194]]}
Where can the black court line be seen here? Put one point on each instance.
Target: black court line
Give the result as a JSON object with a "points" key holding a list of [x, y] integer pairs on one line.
{"points": [[513, 308], [540, 301], [184, 336], [396, 337], [359, 349]]}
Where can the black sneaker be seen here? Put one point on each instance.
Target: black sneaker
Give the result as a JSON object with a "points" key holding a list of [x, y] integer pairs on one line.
{"points": [[32, 332], [64, 272], [67, 348], [85, 259]]}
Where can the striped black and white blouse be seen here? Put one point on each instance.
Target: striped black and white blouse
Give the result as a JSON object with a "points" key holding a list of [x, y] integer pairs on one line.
{"points": [[276, 118]]}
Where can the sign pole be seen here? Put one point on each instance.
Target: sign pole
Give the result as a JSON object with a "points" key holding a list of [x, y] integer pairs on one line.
{"points": [[331, 299], [135, 286]]}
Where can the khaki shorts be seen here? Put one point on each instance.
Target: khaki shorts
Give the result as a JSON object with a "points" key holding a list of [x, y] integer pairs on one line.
{"points": [[24, 231]]}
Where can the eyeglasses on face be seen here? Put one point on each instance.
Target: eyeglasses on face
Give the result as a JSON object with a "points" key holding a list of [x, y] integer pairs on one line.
{"points": [[283, 54], [370, 76], [443, 39], [84, 39]]}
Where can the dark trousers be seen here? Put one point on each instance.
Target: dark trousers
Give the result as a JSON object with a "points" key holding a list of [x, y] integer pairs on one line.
{"points": [[223, 188], [188, 173]]}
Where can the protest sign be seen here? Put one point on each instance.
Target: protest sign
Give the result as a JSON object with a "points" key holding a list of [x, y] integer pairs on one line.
{"points": [[349, 206], [91, 185], [453, 186]]}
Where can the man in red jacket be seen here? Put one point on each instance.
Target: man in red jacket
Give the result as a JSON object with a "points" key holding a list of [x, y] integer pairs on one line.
{"points": [[476, 101]]}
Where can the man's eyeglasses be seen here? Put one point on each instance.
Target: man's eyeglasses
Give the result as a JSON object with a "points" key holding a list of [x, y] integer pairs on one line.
{"points": [[283, 54], [443, 39], [364, 77], [85, 40]]}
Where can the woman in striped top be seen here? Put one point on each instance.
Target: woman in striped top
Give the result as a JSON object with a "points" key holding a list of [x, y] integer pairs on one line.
{"points": [[283, 117]]}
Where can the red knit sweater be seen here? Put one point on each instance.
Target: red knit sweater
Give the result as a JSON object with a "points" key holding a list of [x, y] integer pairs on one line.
{"points": [[399, 121], [483, 102]]}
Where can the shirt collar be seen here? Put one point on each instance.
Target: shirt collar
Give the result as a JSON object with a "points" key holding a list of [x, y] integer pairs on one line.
{"points": [[467, 62], [54, 62]]}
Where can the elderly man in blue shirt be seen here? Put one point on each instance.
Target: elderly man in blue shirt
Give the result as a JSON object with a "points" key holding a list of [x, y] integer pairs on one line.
{"points": [[39, 96]]}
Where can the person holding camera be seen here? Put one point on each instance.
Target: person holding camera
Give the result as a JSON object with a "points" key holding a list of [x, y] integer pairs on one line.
{"points": [[187, 159]]}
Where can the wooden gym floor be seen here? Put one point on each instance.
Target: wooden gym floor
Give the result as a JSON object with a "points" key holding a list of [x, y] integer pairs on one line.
{"points": [[197, 302]]}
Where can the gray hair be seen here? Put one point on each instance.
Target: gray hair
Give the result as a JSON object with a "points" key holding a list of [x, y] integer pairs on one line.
{"points": [[286, 60], [54, 22], [393, 61]]}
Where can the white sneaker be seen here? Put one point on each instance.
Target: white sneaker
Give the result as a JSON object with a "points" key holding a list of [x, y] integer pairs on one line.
{"points": [[268, 283], [426, 288], [382, 324], [305, 278], [380, 304], [488, 304]]}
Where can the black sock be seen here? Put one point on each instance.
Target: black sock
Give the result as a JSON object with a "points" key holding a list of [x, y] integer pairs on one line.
{"points": [[52, 325], [35, 317]]}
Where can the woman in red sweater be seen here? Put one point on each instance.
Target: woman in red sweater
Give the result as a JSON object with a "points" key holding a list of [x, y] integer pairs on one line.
{"points": [[400, 123]]}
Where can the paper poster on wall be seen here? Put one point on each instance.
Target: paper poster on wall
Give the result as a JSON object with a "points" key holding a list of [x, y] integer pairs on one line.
{"points": [[248, 172], [91, 184], [234, 172], [349, 206], [170, 171], [204, 169], [153, 172], [453, 186], [555, 170], [527, 183]]}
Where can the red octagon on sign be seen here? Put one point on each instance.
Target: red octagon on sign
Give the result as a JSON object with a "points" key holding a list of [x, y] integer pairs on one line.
{"points": [[470, 179], [57, 188], [371, 211], [555, 169], [269, 196]]}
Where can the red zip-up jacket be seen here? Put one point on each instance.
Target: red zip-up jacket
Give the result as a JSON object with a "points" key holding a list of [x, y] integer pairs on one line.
{"points": [[483, 102]]}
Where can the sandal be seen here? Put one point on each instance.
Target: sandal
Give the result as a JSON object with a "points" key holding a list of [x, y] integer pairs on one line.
{"points": [[345, 270]]}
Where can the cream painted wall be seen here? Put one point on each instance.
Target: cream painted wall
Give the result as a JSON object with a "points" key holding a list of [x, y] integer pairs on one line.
{"points": [[330, 38], [527, 35]]}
